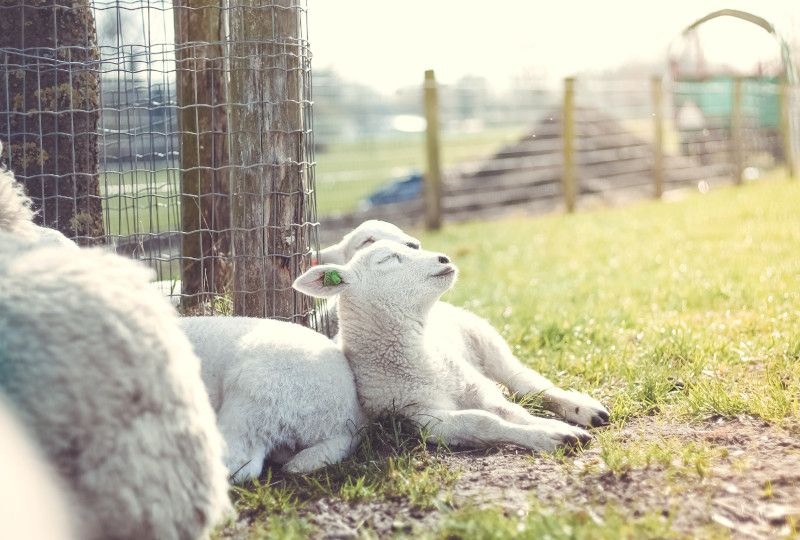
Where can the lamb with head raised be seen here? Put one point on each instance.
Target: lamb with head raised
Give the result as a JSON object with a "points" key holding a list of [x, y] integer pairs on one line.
{"points": [[489, 352], [406, 360], [280, 391]]}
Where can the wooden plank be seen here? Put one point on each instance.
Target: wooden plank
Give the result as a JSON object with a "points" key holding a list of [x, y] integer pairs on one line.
{"points": [[433, 172], [737, 141], [568, 178], [786, 127], [658, 137]]}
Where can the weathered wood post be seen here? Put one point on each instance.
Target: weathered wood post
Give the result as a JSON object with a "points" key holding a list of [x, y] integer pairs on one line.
{"points": [[49, 111], [202, 117], [658, 136], [270, 180], [568, 178], [433, 172], [786, 127], [737, 135]]}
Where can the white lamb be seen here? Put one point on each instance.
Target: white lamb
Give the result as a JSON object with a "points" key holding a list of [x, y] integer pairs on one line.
{"points": [[95, 365], [488, 351], [280, 391], [423, 366]]}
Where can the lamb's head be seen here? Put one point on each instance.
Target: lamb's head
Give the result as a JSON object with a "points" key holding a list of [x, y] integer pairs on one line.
{"points": [[386, 275], [363, 236]]}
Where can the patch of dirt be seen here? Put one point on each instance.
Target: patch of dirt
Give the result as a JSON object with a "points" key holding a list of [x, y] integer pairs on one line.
{"points": [[752, 488]]}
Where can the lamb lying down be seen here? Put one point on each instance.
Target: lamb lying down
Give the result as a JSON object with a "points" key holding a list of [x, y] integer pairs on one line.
{"points": [[489, 353], [405, 359], [281, 391]]}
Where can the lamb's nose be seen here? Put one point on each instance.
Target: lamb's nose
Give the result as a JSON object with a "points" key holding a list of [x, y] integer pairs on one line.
{"points": [[413, 245], [443, 259]]}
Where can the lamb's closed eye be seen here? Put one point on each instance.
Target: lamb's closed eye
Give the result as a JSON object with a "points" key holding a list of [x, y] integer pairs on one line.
{"points": [[388, 258]]}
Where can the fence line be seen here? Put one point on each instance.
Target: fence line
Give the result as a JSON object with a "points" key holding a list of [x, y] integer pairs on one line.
{"points": [[630, 139]]}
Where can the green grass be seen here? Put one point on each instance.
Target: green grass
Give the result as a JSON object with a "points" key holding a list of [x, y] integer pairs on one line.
{"points": [[680, 312], [704, 292]]}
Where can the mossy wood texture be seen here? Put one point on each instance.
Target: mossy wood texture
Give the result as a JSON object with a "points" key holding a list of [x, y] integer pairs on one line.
{"points": [[49, 114]]}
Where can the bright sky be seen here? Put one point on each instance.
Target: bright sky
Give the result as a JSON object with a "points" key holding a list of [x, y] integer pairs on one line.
{"points": [[389, 44]]}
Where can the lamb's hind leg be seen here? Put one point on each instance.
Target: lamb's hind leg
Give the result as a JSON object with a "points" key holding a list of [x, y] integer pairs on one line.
{"points": [[326, 452], [244, 453], [499, 364], [478, 428]]}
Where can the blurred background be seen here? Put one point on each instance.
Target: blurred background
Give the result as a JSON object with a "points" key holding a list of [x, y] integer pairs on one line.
{"points": [[500, 70]]}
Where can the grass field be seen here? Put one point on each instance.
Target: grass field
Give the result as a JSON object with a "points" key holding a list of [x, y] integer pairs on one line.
{"points": [[683, 317]]}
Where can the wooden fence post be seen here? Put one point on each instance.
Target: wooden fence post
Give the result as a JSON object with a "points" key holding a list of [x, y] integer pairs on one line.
{"points": [[433, 173], [268, 138], [205, 212], [568, 179], [786, 127], [737, 136], [658, 137]]}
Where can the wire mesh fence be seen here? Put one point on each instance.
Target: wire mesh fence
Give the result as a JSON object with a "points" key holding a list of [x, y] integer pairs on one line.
{"points": [[176, 132], [503, 150]]}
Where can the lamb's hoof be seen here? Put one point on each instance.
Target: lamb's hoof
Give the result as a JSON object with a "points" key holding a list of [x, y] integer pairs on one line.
{"points": [[600, 419], [576, 441], [578, 408]]}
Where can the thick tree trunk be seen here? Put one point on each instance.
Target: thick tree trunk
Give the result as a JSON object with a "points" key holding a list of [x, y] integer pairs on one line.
{"points": [[49, 109], [202, 118], [271, 184]]}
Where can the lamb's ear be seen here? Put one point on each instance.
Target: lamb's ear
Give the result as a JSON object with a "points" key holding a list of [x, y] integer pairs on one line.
{"points": [[331, 255], [323, 281]]}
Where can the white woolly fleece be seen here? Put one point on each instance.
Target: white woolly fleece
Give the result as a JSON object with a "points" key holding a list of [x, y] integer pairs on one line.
{"points": [[280, 390], [405, 359], [362, 236], [487, 351], [95, 364]]}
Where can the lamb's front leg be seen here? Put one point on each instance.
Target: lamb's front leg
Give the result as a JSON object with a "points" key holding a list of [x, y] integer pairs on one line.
{"points": [[497, 362], [478, 428], [576, 407]]}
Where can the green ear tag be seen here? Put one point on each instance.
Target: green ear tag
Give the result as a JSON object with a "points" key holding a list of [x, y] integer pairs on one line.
{"points": [[331, 278]]}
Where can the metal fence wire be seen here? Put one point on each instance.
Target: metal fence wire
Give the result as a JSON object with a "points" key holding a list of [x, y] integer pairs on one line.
{"points": [[178, 133]]}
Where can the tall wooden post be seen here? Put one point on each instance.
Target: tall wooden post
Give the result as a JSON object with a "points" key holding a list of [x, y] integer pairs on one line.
{"points": [[268, 140], [433, 172], [737, 135], [205, 213], [786, 127], [568, 178], [658, 137]]}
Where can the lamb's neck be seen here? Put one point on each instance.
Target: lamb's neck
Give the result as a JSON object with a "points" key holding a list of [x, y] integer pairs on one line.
{"points": [[385, 338]]}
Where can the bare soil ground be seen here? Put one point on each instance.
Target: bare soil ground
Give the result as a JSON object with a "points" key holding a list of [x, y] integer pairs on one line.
{"points": [[751, 487]]}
